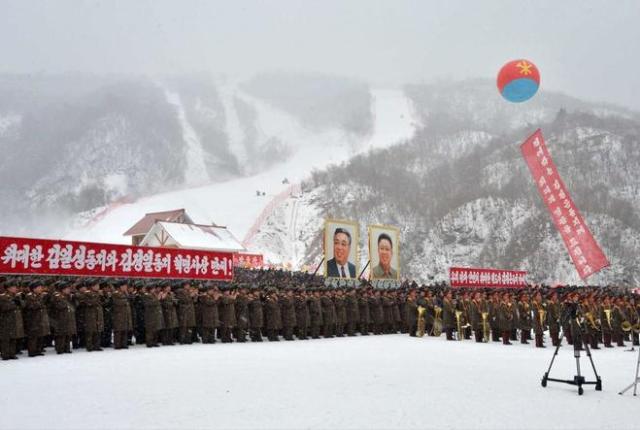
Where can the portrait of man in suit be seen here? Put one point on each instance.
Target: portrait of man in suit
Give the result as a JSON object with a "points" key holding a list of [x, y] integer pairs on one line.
{"points": [[383, 255], [340, 250]]}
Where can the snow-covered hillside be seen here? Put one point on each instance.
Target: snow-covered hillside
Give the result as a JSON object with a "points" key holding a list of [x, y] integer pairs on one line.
{"points": [[235, 203]]}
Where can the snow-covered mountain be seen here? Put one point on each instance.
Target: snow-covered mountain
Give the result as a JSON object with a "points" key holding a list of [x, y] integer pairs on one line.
{"points": [[462, 195]]}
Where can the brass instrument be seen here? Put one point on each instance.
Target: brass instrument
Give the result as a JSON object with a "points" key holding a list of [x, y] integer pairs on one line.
{"points": [[607, 314], [437, 322], [626, 326], [486, 330], [422, 321], [461, 324], [542, 316], [592, 321]]}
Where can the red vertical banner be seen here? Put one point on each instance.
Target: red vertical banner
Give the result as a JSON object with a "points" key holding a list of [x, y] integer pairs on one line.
{"points": [[583, 248]]}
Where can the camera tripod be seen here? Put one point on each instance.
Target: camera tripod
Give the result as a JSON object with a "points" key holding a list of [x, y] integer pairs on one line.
{"points": [[635, 383], [578, 379]]}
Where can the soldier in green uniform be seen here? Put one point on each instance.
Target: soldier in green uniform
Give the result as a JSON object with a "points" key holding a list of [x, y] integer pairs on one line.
{"points": [[256, 316], [353, 312], [169, 303], [315, 314], [209, 318], [448, 315], [302, 314], [288, 312], [273, 316], [11, 323], [242, 316], [153, 318], [65, 317], [36, 325], [186, 313], [122, 320], [524, 318]]}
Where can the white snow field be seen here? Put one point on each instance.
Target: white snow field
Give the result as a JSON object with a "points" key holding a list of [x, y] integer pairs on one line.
{"points": [[390, 382]]}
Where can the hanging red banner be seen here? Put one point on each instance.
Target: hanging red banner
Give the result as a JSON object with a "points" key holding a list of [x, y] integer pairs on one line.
{"points": [[471, 277], [248, 261], [68, 258], [583, 248]]}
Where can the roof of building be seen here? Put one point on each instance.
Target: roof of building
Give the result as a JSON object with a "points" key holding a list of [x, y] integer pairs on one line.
{"points": [[197, 236], [144, 225]]}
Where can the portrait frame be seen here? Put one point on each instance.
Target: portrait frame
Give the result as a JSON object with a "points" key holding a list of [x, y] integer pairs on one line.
{"points": [[353, 227], [373, 232]]}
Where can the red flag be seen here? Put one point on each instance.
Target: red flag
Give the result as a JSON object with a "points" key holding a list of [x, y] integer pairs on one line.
{"points": [[583, 248]]}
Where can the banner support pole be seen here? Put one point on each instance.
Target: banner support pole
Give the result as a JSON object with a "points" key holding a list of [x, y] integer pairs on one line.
{"points": [[365, 268]]}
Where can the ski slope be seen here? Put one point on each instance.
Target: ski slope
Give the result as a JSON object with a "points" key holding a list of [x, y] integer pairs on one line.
{"points": [[390, 382], [234, 203]]}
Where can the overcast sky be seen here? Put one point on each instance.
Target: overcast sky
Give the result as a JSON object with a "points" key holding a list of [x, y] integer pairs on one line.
{"points": [[589, 49]]}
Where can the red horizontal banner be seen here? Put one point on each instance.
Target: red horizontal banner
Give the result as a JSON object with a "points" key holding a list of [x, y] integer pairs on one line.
{"points": [[582, 246], [248, 261], [470, 277], [68, 258]]}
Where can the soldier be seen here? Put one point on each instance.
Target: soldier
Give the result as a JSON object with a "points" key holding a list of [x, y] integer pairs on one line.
{"points": [[227, 314], [411, 310], [209, 318], [186, 313], [475, 316], [137, 312], [65, 316], [153, 318], [242, 316], [494, 324], [341, 312], [122, 320], [618, 316], [11, 323], [553, 318], [273, 316], [36, 323], [539, 319], [524, 319], [606, 312], [302, 314], [365, 312], [315, 314], [256, 316], [353, 312], [288, 312], [88, 304], [169, 302], [448, 315], [505, 318], [328, 314]]}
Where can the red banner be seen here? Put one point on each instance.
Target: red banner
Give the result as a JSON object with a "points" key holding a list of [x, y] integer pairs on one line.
{"points": [[583, 248], [248, 261], [470, 277], [67, 258]]}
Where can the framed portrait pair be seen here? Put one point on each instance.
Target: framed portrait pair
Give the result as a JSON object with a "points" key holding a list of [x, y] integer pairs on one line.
{"points": [[341, 250]]}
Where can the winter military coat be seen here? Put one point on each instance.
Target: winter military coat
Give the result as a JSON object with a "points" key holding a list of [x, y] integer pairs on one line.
{"points": [[388, 304], [539, 323], [186, 309], [288, 311], [242, 312], [302, 312], [505, 317], [256, 313], [353, 310], [90, 306], [315, 312], [341, 311], [228, 311], [411, 312], [553, 317], [448, 315], [208, 310], [65, 315], [153, 319], [475, 315], [524, 313], [169, 312], [606, 324], [121, 317], [11, 324], [272, 313], [377, 311], [328, 310], [365, 316], [36, 322]]}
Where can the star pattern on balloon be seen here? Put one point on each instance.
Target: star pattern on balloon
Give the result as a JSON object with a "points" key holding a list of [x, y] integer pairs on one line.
{"points": [[525, 68]]}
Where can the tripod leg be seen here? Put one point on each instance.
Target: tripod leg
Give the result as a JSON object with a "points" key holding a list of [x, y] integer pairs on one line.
{"points": [[593, 366], [555, 353]]}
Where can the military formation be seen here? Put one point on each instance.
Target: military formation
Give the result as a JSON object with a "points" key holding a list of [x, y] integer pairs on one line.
{"points": [[64, 314]]}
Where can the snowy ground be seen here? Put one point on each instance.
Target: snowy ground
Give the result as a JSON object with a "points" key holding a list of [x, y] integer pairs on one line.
{"points": [[364, 382]]}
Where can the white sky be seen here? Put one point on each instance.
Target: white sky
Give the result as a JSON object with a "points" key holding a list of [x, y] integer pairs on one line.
{"points": [[585, 48]]}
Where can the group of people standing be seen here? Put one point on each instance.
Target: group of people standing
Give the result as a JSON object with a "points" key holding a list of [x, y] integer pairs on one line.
{"points": [[39, 312]]}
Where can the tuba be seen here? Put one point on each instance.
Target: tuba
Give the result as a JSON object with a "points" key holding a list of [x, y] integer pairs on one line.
{"points": [[592, 321], [422, 321], [437, 322]]}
